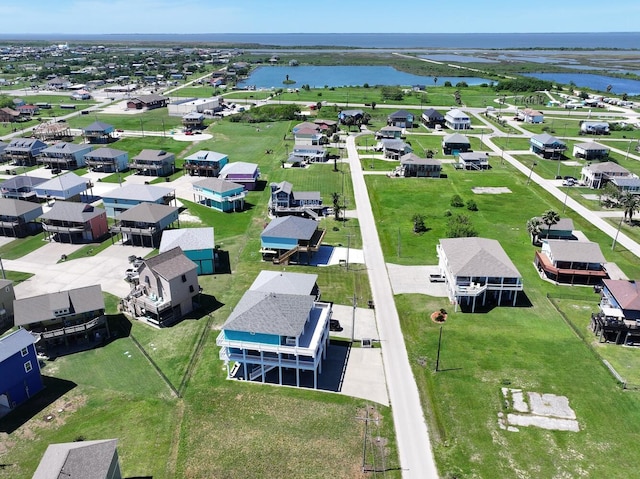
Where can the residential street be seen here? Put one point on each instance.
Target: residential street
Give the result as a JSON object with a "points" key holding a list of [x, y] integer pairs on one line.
{"points": [[414, 445]]}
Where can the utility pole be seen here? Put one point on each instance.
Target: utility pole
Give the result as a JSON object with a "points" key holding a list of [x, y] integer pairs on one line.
{"points": [[613, 245], [353, 317], [2, 269], [439, 346], [531, 172]]}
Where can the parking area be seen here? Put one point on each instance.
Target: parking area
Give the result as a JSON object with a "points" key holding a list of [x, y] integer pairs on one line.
{"points": [[415, 279]]}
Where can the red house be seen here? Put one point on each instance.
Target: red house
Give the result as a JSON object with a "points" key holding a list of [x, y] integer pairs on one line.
{"points": [[70, 222]]}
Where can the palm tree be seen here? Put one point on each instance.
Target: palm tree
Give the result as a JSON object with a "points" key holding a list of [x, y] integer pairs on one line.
{"points": [[337, 208], [630, 204], [550, 218], [533, 227]]}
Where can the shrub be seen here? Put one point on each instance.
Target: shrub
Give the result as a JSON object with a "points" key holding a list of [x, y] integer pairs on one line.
{"points": [[472, 206], [457, 201], [448, 213]]}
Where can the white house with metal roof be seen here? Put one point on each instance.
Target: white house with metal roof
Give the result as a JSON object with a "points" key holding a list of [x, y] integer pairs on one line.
{"points": [[197, 244], [478, 269], [66, 187], [81, 459]]}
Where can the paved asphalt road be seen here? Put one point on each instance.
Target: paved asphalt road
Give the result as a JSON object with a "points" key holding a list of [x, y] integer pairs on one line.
{"points": [[414, 446]]}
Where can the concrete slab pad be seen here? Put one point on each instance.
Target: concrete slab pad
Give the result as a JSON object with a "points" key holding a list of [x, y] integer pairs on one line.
{"points": [[50, 253], [365, 323], [415, 279], [364, 376]]}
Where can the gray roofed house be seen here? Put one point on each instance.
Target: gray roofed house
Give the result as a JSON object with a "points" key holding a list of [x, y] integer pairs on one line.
{"points": [[198, 245], [154, 163], [80, 460], [473, 160], [23, 151], [142, 225], [478, 267], [99, 132], [72, 222], [284, 201], [278, 315], [286, 283], [107, 160], [64, 155], [20, 187], [411, 165], [393, 148], [571, 262], [270, 313], [590, 151], [205, 163], [290, 235], [72, 318], [455, 143], [67, 186], [125, 197], [246, 174], [165, 288], [19, 218], [596, 175], [631, 185], [401, 119], [547, 146], [563, 229], [7, 296], [431, 117], [3, 145]]}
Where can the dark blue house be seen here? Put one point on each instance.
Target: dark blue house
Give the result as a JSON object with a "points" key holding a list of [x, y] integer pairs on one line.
{"points": [[19, 370]]}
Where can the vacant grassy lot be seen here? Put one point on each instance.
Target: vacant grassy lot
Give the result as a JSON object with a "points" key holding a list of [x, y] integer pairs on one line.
{"points": [[22, 246], [153, 120]]}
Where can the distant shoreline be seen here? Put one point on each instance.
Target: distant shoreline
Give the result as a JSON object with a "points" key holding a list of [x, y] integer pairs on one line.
{"points": [[617, 41]]}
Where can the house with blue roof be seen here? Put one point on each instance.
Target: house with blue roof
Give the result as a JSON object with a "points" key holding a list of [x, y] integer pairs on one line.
{"points": [[66, 187], [20, 377], [197, 244], [125, 197], [289, 236], [20, 187], [205, 163], [219, 194], [278, 332]]}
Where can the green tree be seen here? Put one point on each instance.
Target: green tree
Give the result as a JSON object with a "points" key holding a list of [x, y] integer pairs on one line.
{"points": [[630, 204], [457, 201], [550, 218], [418, 223], [533, 227], [337, 208], [460, 226]]}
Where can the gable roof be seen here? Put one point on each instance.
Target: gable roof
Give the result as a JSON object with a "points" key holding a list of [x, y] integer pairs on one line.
{"points": [[270, 313], [283, 186], [576, 251], [147, 213], [13, 207], [72, 211], [478, 257], [413, 159], [75, 460], [63, 146], [42, 307], [14, 342], [591, 146], [546, 139], [285, 282], [293, 227], [170, 264], [188, 239], [626, 293], [150, 193], [154, 155]]}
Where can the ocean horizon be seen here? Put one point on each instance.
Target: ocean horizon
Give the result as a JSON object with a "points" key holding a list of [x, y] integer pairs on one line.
{"points": [[584, 40]]}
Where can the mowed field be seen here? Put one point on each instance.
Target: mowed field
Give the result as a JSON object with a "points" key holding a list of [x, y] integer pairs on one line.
{"points": [[529, 347], [213, 428]]}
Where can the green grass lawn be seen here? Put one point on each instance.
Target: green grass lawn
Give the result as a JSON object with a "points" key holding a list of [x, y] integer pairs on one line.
{"points": [[153, 120], [21, 246]]}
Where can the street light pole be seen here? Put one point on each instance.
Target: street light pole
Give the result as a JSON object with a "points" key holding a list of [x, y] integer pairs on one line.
{"points": [[615, 238]]}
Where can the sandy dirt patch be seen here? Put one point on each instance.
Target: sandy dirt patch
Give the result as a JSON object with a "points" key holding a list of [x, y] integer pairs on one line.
{"points": [[489, 190]]}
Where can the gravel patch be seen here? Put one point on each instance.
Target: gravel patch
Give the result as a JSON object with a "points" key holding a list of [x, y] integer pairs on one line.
{"points": [[546, 411], [490, 190]]}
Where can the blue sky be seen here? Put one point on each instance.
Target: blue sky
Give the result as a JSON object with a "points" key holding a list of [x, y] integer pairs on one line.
{"points": [[324, 16]]}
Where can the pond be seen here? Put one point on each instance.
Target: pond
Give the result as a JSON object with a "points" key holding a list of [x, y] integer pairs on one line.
{"points": [[336, 76], [595, 82]]}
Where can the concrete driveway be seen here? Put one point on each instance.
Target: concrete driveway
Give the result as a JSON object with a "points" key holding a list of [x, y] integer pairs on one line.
{"points": [[107, 269], [415, 279]]}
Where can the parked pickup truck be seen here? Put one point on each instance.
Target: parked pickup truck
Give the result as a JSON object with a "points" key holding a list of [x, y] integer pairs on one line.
{"points": [[436, 278]]}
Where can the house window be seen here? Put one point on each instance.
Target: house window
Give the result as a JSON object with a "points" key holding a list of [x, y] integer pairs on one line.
{"points": [[184, 278], [24, 352], [27, 367], [191, 288]]}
